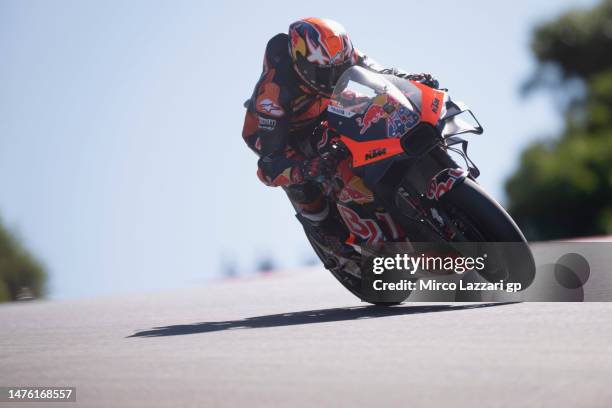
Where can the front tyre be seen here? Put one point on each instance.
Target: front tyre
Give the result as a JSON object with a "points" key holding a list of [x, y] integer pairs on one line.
{"points": [[480, 218], [490, 219]]}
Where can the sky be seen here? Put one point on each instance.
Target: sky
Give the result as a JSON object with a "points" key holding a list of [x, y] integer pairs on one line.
{"points": [[122, 165]]}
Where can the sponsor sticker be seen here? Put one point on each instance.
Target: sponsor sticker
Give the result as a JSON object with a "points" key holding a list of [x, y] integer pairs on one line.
{"points": [[340, 111], [400, 121], [268, 106], [374, 113], [266, 123]]}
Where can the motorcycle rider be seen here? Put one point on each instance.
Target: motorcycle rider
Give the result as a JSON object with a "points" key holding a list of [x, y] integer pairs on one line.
{"points": [[300, 70]]}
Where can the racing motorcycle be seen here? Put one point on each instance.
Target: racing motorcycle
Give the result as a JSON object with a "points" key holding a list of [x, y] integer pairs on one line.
{"points": [[396, 179]]}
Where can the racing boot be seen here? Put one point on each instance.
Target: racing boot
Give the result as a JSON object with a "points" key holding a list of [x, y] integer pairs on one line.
{"points": [[320, 218], [328, 229]]}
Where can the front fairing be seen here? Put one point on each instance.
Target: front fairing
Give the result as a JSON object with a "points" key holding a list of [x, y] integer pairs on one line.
{"points": [[373, 112]]}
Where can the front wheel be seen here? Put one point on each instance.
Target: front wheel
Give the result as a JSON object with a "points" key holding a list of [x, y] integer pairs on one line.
{"points": [[489, 219], [467, 213]]}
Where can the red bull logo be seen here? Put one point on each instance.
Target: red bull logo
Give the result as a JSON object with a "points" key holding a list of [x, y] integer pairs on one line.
{"points": [[356, 191], [374, 113], [380, 108]]}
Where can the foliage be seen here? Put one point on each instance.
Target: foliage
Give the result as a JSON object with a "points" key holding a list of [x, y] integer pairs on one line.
{"points": [[20, 272], [563, 187]]}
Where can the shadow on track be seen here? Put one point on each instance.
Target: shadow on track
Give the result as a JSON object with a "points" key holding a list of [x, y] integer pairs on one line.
{"points": [[306, 317]]}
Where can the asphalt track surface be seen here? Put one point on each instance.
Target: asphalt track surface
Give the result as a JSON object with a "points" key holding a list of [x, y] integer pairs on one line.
{"points": [[300, 339]]}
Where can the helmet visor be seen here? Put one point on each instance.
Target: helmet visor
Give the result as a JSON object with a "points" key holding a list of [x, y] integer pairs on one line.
{"points": [[321, 77]]}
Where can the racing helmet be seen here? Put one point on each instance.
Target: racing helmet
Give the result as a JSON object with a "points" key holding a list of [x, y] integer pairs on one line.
{"points": [[321, 51]]}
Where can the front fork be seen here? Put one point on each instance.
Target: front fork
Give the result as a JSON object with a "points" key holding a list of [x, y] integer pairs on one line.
{"points": [[412, 192]]}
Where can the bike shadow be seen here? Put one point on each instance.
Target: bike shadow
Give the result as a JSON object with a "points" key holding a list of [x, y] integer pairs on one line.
{"points": [[306, 317]]}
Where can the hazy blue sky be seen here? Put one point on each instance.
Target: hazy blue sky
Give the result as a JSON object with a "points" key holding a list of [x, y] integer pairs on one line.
{"points": [[121, 161]]}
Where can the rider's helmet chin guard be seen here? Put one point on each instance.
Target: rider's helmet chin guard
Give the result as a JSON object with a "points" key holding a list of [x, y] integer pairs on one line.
{"points": [[321, 51]]}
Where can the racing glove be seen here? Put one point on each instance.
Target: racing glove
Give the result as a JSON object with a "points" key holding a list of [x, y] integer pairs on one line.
{"points": [[325, 139], [318, 169], [424, 78]]}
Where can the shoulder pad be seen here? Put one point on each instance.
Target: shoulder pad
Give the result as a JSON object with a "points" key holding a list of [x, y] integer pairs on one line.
{"points": [[277, 49]]}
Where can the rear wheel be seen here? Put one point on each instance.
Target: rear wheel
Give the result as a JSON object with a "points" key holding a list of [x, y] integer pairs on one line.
{"points": [[340, 268], [346, 271]]}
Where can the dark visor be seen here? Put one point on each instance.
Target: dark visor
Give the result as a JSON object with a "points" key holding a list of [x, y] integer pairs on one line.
{"points": [[322, 77]]}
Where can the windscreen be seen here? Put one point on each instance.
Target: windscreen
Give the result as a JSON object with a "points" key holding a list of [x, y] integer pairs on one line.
{"points": [[366, 105]]}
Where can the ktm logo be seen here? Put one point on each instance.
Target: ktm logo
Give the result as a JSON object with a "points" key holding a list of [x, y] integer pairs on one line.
{"points": [[375, 153], [435, 104]]}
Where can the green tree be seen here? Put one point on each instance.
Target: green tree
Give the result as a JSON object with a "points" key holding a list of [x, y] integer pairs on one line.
{"points": [[20, 272], [563, 186]]}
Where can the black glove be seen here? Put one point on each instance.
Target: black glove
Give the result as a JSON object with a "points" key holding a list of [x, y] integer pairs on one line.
{"points": [[424, 78], [325, 139], [318, 168]]}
